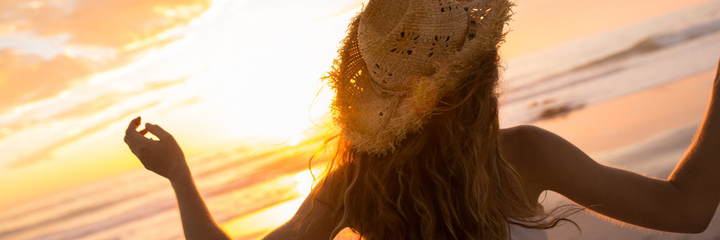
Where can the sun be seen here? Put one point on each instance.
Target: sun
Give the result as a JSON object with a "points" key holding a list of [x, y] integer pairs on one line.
{"points": [[304, 182]]}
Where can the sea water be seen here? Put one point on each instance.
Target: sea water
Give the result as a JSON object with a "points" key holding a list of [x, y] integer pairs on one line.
{"points": [[612, 64]]}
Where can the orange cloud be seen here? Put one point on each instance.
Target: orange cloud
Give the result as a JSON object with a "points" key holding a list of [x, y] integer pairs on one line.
{"points": [[109, 23], [26, 78]]}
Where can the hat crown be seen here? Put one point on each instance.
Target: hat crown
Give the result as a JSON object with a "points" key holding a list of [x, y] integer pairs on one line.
{"points": [[400, 40]]}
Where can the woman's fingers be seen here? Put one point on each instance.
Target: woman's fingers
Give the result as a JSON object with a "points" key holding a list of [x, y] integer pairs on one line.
{"points": [[132, 132], [158, 131], [161, 157], [134, 124]]}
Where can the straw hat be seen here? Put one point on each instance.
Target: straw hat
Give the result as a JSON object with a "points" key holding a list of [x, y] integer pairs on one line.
{"points": [[401, 57]]}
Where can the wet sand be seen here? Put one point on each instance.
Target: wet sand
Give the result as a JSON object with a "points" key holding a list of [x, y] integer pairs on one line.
{"points": [[634, 117]]}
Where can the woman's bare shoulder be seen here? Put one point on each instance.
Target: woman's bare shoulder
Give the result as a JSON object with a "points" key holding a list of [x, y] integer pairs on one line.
{"points": [[517, 143], [534, 150], [520, 146]]}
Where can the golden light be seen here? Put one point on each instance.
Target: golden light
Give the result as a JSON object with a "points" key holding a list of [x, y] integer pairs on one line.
{"points": [[304, 182], [263, 221], [296, 140], [267, 219]]}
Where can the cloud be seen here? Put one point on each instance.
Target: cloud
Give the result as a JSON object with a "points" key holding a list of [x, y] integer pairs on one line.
{"points": [[46, 153], [87, 108], [27, 78], [123, 27], [90, 25], [158, 85], [110, 23]]}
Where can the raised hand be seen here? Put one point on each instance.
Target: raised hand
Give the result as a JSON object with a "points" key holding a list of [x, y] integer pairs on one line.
{"points": [[163, 157]]}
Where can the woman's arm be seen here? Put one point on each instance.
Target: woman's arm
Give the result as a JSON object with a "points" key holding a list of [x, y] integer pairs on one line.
{"points": [[698, 174], [685, 202], [196, 219], [165, 158]]}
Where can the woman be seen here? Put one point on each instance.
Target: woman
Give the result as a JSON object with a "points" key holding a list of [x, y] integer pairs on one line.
{"points": [[421, 155]]}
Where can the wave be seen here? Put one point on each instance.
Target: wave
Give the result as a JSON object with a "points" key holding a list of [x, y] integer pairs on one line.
{"points": [[629, 41], [658, 42], [647, 45], [571, 78]]}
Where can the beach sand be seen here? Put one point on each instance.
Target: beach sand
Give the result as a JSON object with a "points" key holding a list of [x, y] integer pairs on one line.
{"points": [[647, 132], [635, 117]]}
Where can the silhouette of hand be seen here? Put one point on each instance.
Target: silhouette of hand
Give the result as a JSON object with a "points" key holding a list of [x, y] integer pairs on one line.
{"points": [[163, 157]]}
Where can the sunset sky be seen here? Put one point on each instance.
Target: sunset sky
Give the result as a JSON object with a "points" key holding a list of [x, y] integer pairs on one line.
{"points": [[74, 72]]}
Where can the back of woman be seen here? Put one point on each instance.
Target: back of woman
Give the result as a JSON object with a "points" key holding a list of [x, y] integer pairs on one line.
{"points": [[416, 101]]}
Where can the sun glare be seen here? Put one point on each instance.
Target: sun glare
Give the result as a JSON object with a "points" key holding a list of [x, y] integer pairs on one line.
{"points": [[295, 140], [267, 219], [304, 182]]}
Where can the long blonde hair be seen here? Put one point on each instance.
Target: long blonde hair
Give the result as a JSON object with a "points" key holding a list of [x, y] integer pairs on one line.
{"points": [[447, 181]]}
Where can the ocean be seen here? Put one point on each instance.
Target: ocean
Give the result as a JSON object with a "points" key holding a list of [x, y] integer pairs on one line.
{"points": [[611, 64]]}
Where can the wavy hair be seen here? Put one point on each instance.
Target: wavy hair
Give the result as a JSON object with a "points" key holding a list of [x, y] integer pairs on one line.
{"points": [[448, 180]]}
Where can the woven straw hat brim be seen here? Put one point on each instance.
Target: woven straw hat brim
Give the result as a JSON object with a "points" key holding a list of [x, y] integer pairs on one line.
{"points": [[375, 116]]}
